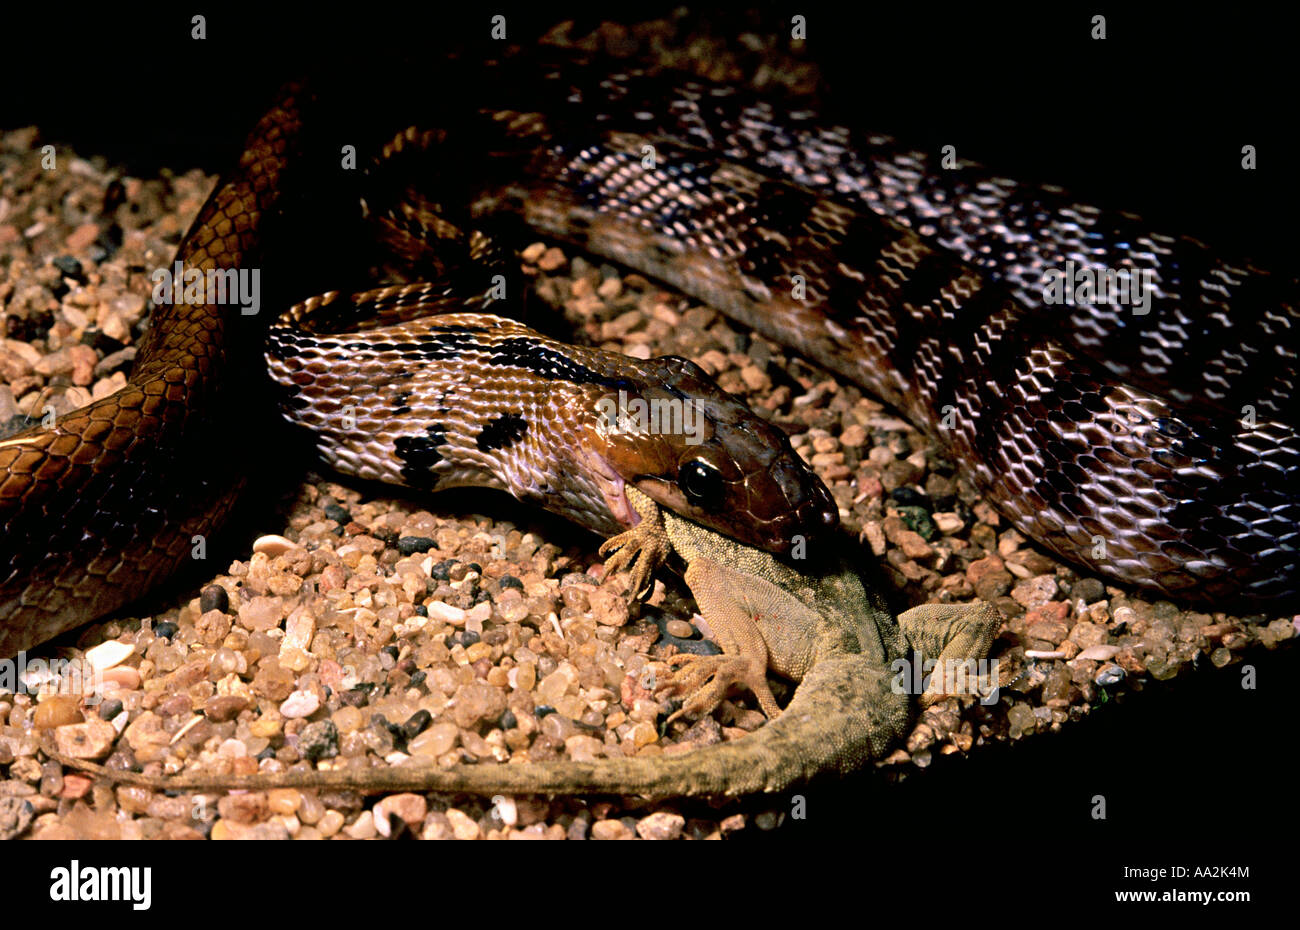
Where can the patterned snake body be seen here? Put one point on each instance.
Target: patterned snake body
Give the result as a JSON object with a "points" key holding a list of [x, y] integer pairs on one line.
{"points": [[107, 503], [1155, 449], [1158, 450], [1082, 425]]}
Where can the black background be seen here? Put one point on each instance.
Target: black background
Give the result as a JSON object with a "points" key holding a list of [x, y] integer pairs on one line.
{"points": [[1152, 120]]}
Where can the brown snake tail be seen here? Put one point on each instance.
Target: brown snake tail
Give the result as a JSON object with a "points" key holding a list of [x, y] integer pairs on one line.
{"points": [[1118, 445]]}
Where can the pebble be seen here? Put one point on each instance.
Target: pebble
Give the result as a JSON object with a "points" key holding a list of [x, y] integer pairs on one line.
{"points": [[1034, 593], [1088, 590], [462, 827], [108, 654], [680, 629], [989, 577], [480, 652], [363, 828], [610, 830], [437, 740], [551, 260], [300, 704], [92, 739], [446, 613], [948, 523], [57, 711], [410, 545], [261, 613], [214, 597], [284, 800], [319, 740], [1109, 675], [330, 823], [16, 816], [409, 808], [219, 709], [661, 825]]}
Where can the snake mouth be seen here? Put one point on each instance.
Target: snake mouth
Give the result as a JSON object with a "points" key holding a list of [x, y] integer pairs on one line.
{"points": [[613, 489]]}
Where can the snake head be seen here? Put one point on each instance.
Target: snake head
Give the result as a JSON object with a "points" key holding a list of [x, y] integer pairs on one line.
{"points": [[691, 447]]}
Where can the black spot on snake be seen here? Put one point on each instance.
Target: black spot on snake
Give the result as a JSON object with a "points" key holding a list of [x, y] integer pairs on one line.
{"points": [[501, 431], [420, 455]]}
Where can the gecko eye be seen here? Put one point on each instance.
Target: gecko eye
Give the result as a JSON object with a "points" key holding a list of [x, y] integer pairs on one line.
{"points": [[701, 482]]}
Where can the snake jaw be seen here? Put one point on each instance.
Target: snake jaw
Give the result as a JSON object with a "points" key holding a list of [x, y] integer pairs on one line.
{"points": [[613, 488]]}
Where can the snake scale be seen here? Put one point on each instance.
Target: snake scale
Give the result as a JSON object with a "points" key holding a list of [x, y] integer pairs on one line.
{"points": [[1116, 441]]}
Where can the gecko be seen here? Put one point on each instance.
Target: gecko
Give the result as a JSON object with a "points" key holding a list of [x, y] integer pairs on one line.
{"points": [[819, 624]]}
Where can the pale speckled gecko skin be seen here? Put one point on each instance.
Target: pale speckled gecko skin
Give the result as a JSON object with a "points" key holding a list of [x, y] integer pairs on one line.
{"points": [[824, 629]]}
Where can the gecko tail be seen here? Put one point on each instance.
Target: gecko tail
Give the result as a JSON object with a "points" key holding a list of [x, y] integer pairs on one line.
{"points": [[842, 715]]}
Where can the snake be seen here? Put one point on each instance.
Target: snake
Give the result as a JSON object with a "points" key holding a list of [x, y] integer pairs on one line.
{"points": [[115, 496], [1114, 441]]}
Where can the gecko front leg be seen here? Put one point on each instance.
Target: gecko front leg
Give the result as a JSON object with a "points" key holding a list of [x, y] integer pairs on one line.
{"points": [[642, 549]]}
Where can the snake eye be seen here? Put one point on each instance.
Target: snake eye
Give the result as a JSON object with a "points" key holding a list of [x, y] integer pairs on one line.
{"points": [[701, 482]]}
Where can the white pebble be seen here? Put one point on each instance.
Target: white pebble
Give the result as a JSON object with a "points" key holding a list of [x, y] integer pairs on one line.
{"points": [[1099, 652], [106, 655], [300, 704], [446, 613], [273, 545], [506, 809]]}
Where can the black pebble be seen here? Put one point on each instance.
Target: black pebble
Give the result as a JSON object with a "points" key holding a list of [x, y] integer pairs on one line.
{"points": [[422, 610], [214, 597], [543, 710], [510, 581], [70, 267], [415, 726], [110, 709], [509, 721], [469, 638], [410, 545], [418, 677], [338, 514], [105, 345], [267, 753], [392, 651], [1111, 676], [166, 629], [475, 567], [910, 497], [442, 571]]}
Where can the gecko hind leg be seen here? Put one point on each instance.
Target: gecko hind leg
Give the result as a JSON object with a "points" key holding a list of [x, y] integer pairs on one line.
{"points": [[708, 679]]}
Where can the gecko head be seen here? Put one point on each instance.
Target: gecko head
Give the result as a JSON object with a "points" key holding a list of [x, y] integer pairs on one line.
{"points": [[693, 448]]}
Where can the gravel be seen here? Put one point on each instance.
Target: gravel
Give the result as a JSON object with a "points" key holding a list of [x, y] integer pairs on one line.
{"points": [[484, 640]]}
